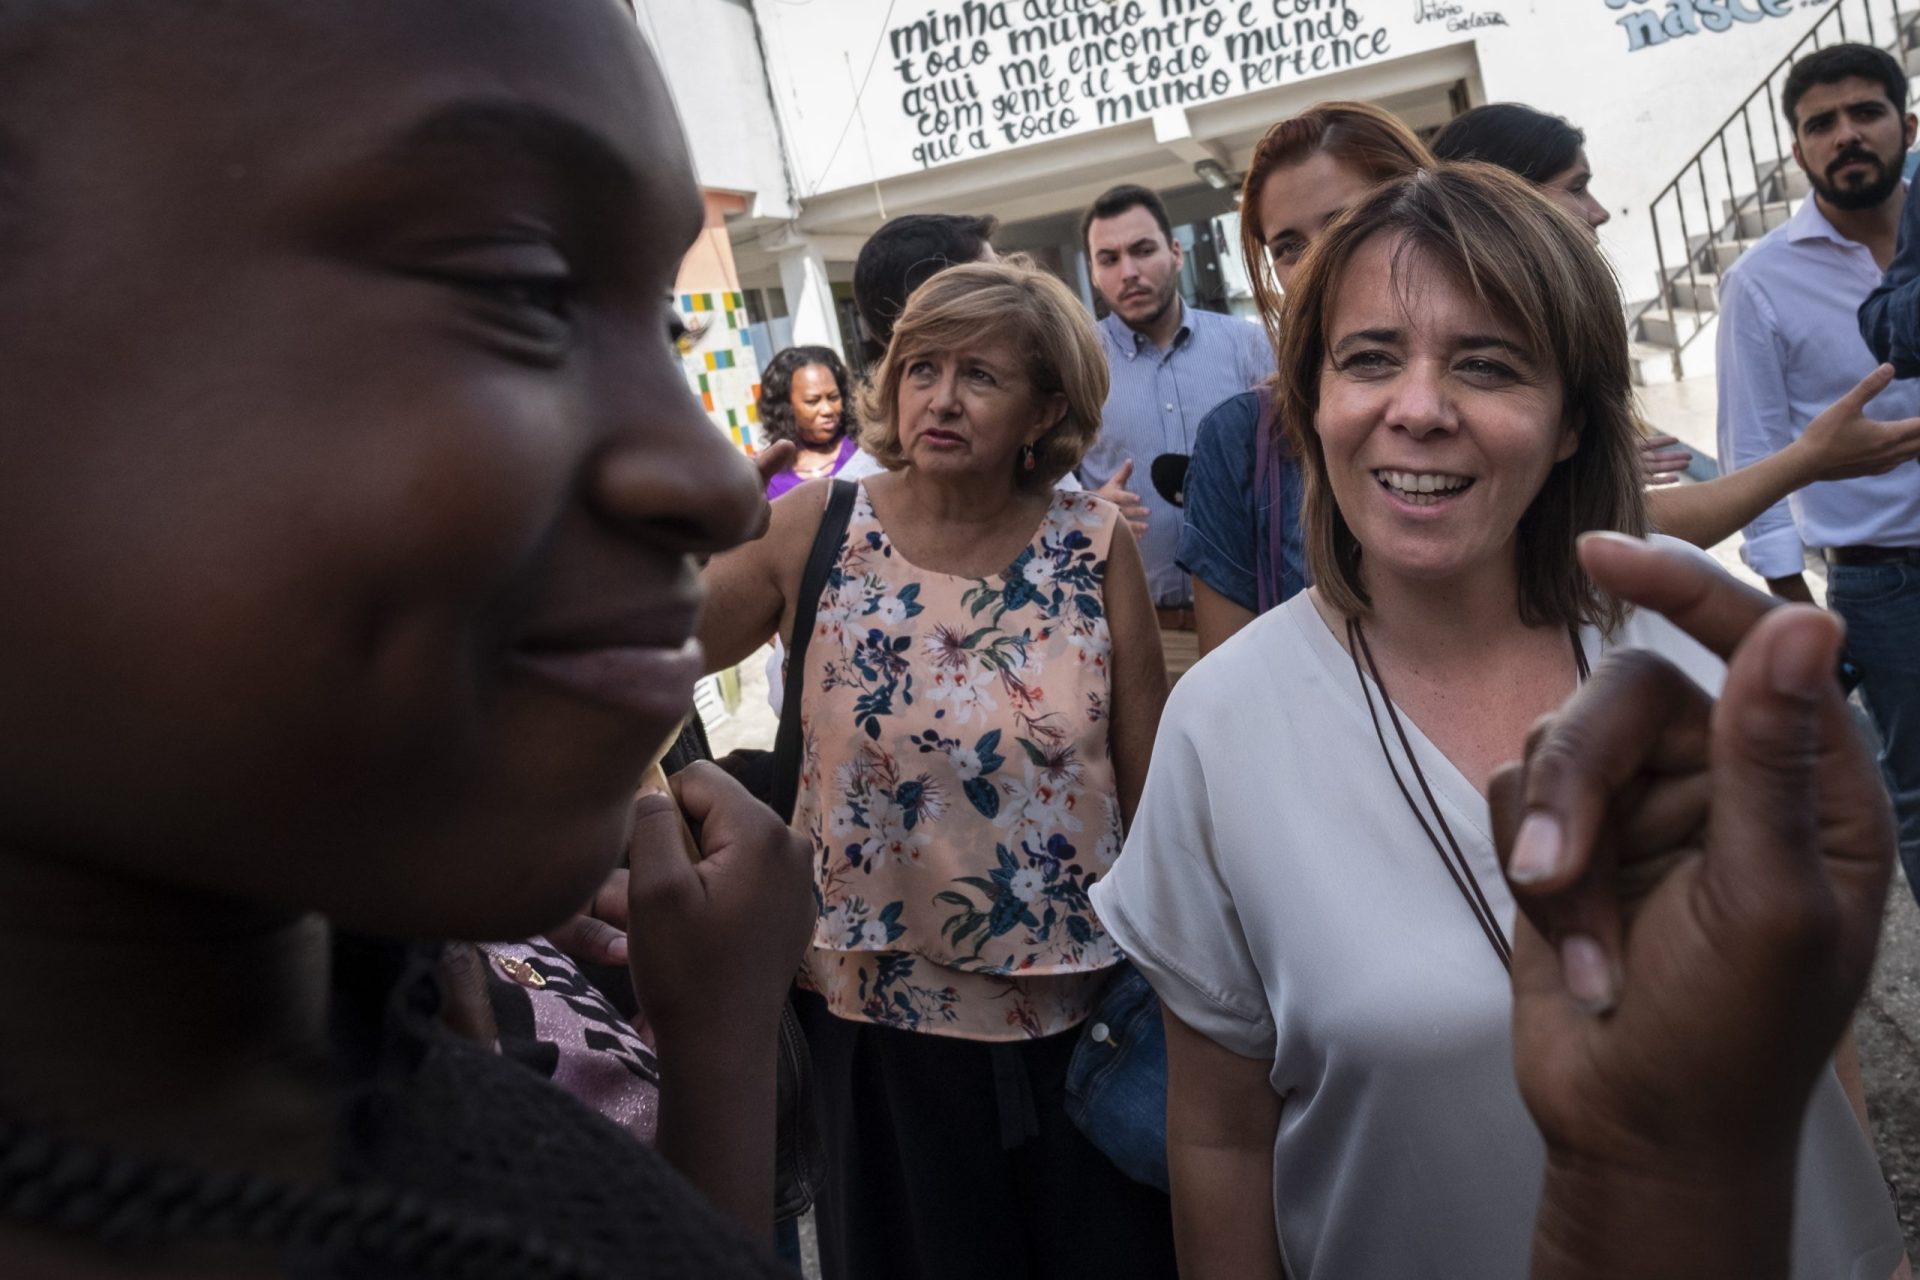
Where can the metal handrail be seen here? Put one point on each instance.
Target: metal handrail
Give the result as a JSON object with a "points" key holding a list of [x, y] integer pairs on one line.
{"points": [[1671, 202]]}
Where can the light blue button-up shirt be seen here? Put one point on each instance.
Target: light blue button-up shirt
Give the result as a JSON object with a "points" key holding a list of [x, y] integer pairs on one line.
{"points": [[1789, 347], [1155, 405]]}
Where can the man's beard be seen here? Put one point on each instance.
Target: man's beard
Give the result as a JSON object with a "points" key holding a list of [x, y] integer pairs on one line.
{"points": [[1868, 195], [1163, 303]]}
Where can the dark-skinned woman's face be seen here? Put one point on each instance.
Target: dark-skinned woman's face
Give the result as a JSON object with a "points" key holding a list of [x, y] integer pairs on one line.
{"points": [[349, 494], [817, 406]]}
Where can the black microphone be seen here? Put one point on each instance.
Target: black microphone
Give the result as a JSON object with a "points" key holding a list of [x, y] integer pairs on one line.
{"points": [[1169, 472]]}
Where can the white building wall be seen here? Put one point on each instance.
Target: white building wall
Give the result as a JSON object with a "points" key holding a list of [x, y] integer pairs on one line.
{"points": [[720, 83], [961, 79], [889, 107], [1646, 111]]}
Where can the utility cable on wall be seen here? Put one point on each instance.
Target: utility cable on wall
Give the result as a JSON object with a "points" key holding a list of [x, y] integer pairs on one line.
{"points": [[886, 23]]}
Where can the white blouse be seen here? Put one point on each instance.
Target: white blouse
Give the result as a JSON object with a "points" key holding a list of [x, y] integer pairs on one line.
{"points": [[1282, 900]]}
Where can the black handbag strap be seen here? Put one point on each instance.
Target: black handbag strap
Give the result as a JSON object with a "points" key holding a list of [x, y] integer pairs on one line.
{"points": [[806, 607]]}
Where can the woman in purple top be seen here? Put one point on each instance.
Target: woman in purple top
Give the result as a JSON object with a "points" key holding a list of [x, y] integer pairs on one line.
{"points": [[805, 398]]}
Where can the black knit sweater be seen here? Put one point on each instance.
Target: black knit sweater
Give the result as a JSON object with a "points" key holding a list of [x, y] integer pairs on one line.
{"points": [[453, 1162]]}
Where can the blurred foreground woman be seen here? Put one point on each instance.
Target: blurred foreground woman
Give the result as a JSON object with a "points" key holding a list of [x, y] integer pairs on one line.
{"points": [[349, 503]]}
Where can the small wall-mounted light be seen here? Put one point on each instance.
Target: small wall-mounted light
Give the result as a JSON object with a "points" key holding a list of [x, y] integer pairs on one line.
{"points": [[1215, 175]]}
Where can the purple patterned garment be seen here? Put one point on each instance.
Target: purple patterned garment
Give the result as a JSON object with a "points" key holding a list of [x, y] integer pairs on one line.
{"points": [[555, 1022]]}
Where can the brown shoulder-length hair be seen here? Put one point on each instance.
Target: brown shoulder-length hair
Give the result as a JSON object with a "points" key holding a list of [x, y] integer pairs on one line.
{"points": [[1017, 304], [1532, 266], [1373, 142]]}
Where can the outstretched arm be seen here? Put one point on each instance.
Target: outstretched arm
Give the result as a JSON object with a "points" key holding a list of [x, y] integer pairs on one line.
{"points": [[1842, 442], [749, 588]]}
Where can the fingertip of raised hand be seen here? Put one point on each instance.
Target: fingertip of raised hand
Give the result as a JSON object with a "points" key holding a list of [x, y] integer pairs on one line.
{"points": [[1803, 653], [651, 801], [1587, 973], [1539, 851], [1604, 542], [1605, 554]]}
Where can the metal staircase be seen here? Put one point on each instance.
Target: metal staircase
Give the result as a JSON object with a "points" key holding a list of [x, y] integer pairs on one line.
{"points": [[1742, 184]]}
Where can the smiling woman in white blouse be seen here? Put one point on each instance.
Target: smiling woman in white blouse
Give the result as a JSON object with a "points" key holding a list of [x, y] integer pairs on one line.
{"points": [[1310, 883]]}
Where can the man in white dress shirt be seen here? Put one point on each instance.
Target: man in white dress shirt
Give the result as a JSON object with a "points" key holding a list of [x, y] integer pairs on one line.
{"points": [[1789, 346]]}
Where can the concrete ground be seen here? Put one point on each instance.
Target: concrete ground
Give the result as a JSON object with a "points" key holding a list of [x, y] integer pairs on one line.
{"points": [[1888, 1026]]}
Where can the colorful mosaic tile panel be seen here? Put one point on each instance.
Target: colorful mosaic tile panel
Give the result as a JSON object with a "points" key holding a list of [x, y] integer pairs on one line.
{"points": [[723, 370]]}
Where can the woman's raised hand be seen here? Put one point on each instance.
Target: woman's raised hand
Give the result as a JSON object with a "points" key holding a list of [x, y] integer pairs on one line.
{"points": [[727, 877], [714, 946], [720, 938], [1701, 886]]}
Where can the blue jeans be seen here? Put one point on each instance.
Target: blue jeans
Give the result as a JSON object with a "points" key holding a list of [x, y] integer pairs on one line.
{"points": [[1881, 606]]}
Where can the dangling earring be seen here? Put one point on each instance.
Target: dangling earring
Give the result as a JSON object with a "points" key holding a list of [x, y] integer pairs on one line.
{"points": [[1026, 457]]}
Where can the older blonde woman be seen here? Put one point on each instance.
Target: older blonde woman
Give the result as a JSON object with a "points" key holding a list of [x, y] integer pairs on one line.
{"points": [[980, 695], [1312, 886]]}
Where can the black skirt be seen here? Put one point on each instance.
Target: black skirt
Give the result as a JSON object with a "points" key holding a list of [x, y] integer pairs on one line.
{"points": [[952, 1159]]}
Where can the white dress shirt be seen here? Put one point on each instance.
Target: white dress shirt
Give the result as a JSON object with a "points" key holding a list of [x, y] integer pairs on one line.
{"points": [[1789, 347], [1156, 401]]}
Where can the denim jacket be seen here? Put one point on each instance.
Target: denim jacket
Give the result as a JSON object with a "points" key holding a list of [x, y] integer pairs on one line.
{"points": [[1890, 317]]}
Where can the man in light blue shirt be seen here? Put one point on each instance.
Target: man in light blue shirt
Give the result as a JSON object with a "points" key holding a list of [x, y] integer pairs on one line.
{"points": [[1789, 346], [1170, 365]]}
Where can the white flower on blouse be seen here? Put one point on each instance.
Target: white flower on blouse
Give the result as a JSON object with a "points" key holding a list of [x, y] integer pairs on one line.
{"points": [[832, 621], [883, 814], [841, 825], [965, 691], [1041, 801], [839, 925], [1027, 885], [1039, 572], [1094, 648], [897, 845], [1076, 510], [873, 935], [965, 762], [892, 611]]}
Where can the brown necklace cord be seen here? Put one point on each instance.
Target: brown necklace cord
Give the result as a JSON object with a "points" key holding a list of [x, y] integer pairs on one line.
{"points": [[1457, 865], [1463, 877]]}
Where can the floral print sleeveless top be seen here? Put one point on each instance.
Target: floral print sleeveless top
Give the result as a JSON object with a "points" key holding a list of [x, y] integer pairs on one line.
{"points": [[956, 785]]}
